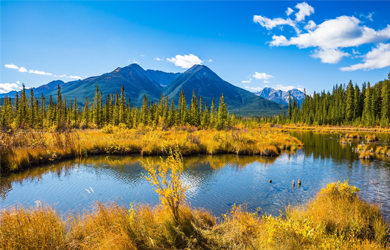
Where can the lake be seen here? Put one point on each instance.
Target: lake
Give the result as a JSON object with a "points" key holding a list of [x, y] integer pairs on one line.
{"points": [[216, 182]]}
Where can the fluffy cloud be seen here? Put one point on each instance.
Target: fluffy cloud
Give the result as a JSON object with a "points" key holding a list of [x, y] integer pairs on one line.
{"points": [[377, 58], [11, 66], [22, 69], [272, 23], [330, 56], [37, 72], [369, 16], [355, 52], [262, 76], [289, 11], [74, 77], [7, 87], [158, 59], [329, 37], [186, 61], [304, 10], [342, 32], [247, 81], [310, 25]]}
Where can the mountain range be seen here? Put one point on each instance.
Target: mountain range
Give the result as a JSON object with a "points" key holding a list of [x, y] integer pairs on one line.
{"points": [[152, 83], [280, 96]]}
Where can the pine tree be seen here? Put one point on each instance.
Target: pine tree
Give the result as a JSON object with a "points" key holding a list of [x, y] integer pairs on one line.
{"points": [[144, 111], [171, 116], [289, 106], [367, 105], [350, 109], [122, 109], [23, 109], [385, 111], [222, 113], [59, 117], [86, 112]]}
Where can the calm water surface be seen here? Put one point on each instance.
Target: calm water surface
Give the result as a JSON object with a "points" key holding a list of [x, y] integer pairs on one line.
{"points": [[216, 182]]}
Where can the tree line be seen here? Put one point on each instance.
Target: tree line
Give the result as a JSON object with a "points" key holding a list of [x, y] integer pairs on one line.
{"points": [[345, 105], [28, 110]]}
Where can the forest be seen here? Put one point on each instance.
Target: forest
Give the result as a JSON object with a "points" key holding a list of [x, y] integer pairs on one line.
{"points": [[345, 105], [28, 110]]}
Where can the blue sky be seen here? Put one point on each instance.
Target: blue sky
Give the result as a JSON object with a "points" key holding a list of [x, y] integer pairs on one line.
{"points": [[312, 45]]}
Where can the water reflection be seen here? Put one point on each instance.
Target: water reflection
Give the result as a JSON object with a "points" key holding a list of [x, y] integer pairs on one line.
{"points": [[216, 182]]}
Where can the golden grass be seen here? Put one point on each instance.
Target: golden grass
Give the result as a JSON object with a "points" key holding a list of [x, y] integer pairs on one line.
{"points": [[335, 129], [371, 138], [335, 219], [38, 147]]}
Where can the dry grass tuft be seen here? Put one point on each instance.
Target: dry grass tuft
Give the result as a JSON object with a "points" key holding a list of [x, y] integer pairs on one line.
{"points": [[335, 219]]}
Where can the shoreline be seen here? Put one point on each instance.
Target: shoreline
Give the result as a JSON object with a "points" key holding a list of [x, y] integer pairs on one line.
{"points": [[52, 147]]}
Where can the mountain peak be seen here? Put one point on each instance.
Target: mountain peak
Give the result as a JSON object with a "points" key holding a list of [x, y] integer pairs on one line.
{"points": [[281, 96], [202, 71]]}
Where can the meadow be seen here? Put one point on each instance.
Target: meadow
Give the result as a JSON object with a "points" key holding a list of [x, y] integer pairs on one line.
{"points": [[23, 148]]}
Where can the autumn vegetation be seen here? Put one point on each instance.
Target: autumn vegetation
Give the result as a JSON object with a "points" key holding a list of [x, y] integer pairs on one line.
{"points": [[25, 148]]}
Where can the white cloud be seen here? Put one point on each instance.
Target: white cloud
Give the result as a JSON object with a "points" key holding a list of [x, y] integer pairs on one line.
{"points": [[342, 32], [310, 25], [262, 76], [158, 59], [247, 81], [142, 55], [11, 66], [7, 87], [38, 72], [272, 23], [377, 58], [330, 56], [265, 81], [186, 61], [74, 77], [355, 52], [304, 10], [22, 69], [209, 60], [369, 16], [289, 11], [332, 35]]}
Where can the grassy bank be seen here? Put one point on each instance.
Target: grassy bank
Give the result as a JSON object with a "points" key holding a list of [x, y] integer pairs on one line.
{"points": [[25, 148], [334, 129], [335, 219]]}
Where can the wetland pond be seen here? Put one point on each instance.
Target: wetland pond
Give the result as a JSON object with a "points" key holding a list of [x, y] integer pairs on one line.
{"points": [[216, 182]]}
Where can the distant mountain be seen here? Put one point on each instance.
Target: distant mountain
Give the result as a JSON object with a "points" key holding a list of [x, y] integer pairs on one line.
{"points": [[209, 85], [139, 82], [280, 96]]}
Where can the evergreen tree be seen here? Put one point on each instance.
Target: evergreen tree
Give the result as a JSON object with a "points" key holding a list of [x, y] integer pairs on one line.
{"points": [[350, 109]]}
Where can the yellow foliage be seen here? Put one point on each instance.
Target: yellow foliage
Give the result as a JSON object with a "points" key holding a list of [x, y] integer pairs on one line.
{"points": [[29, 147], [166, 180], [335, 219]]}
